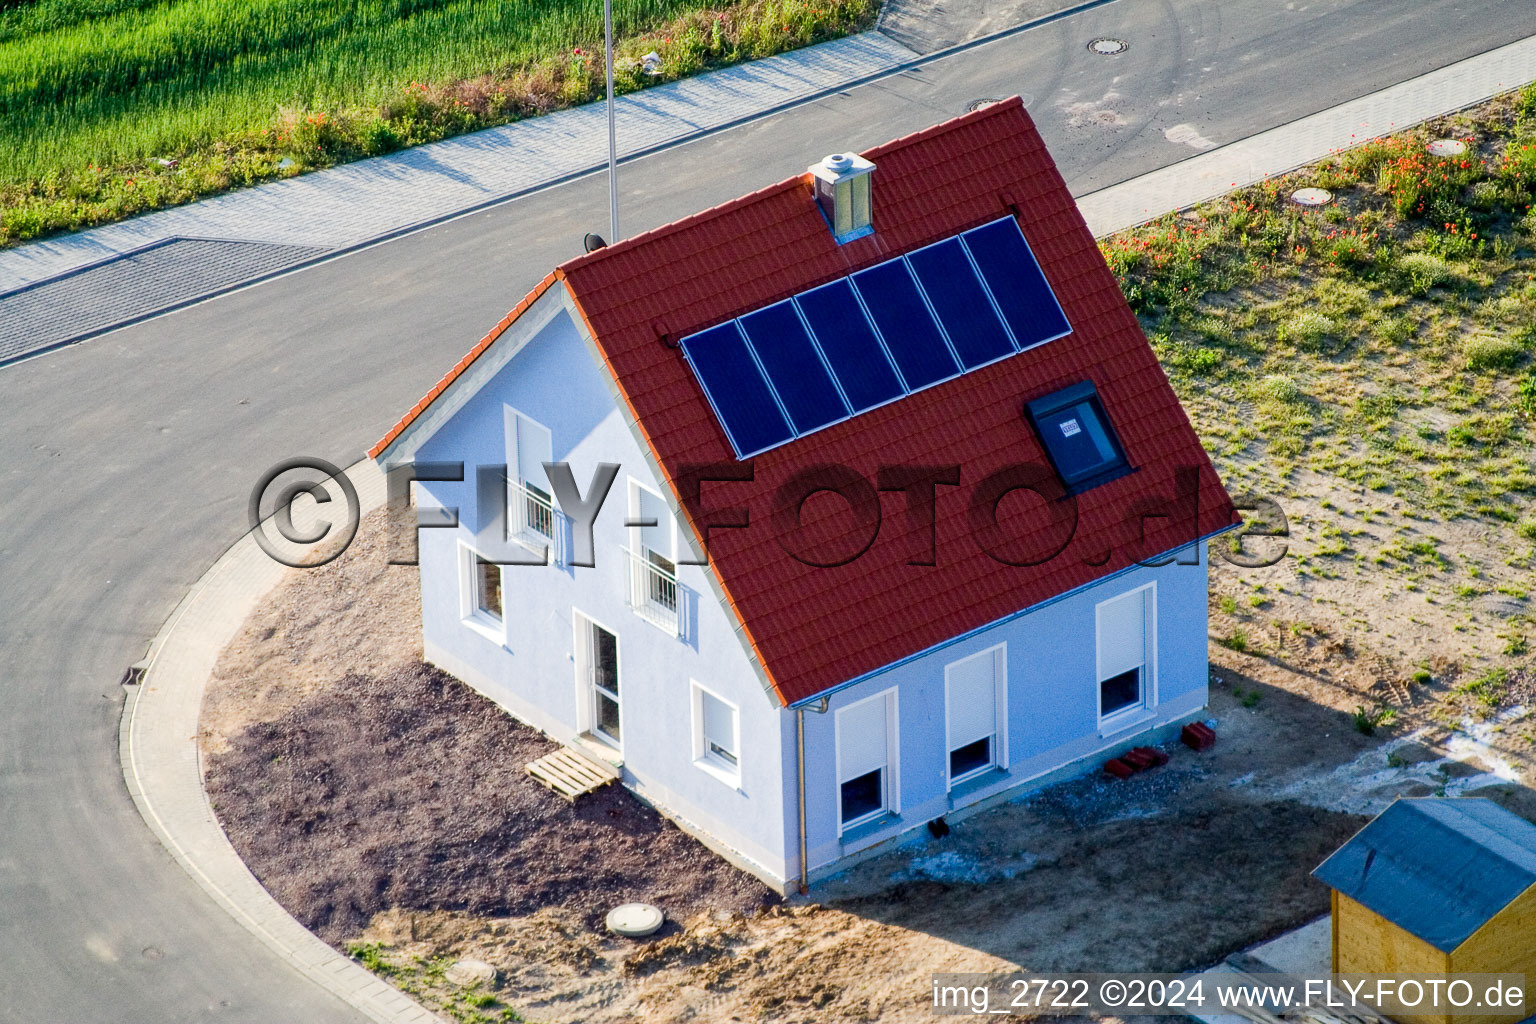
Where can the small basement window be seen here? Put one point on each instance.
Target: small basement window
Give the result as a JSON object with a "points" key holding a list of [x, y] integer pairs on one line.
{"points": [[716, 735], [487, 588], [1078, 437]]}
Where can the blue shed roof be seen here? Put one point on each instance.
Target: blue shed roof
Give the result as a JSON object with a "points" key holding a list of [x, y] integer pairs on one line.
{"points": [[1438, 868]]}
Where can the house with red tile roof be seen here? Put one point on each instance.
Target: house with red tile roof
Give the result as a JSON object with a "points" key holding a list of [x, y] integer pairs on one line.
{"points": [[851, 504]]}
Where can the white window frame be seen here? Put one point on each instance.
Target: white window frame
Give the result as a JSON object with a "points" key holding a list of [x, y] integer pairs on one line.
{"points": [[704, 758], [470, 612], [518, 494], [586, 688], [892, 807], [640, 567], [999, 655], [1127, 717]]}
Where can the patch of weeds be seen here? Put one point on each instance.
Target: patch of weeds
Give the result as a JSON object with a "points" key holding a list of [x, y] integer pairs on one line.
{"points": [[1307, 330], [1422, 677], [1368, 720], [1247, 698], [1515, 645], [1487, 690], [1228, 605], [1238, 641], [371, 956], [1424, 271], [1486, 352]]}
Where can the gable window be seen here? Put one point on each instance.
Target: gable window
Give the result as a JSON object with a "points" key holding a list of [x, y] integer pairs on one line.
{"points": [[530, 507], [716, 735], [974, 695], [481, 595], [866, 745], [652, 558], [1078, 437], [1126, 629]]}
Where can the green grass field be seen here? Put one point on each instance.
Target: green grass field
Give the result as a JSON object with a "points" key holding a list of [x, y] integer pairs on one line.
{"points": [[103, 81], [95, 93]]}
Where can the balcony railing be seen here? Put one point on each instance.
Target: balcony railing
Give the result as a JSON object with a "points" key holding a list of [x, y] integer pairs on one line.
{"points": [[532, 512], [653, 591]]}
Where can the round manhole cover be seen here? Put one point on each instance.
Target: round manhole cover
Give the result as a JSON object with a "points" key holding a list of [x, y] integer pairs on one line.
{"points": [[1108, 47], [1446, 147], [634, 920], [469, 973], [1311, 197], [985, 101]]}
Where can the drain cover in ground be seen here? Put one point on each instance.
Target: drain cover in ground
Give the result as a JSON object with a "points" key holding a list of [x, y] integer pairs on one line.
{"points": [[634, 919], [468, 973], [1446, 147], [1311, 197]]}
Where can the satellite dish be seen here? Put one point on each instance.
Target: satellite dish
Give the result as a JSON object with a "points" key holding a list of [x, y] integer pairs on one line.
{"points": [[593, 242]]}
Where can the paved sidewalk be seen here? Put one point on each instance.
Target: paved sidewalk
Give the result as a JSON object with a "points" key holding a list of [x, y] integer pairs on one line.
{"points": [[362, 201], [1289, 146], [159, 753]]}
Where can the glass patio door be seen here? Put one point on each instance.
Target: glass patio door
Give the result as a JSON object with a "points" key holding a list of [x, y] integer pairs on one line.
{"points": [[603, 662]]}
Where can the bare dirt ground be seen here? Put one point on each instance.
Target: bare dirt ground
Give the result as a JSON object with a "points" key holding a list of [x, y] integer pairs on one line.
{"points": [[408, 790], [388, 810]]}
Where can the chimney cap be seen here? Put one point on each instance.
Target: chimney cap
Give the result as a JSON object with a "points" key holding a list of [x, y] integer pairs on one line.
{"points": [[840, 167]]}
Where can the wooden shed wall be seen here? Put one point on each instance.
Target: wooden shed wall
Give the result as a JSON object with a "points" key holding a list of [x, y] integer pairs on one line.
{"points": [[1364, 942], [1505, 945]]}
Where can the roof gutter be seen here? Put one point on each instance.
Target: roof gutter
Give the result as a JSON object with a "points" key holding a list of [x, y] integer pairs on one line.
{"points": [[821, 695]]}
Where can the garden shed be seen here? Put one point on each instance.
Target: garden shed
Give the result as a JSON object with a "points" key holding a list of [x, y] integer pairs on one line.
{"points": [[1434, 886]]}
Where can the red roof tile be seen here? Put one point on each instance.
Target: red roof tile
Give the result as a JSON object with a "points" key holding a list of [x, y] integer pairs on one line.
{"points": [[816, 627], [813, 628]]}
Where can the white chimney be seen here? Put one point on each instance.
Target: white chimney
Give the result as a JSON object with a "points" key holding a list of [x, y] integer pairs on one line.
{"points": [[842, 185]]}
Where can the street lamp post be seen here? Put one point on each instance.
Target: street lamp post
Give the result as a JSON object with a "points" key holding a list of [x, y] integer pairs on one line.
{"points": [[613, 168]]}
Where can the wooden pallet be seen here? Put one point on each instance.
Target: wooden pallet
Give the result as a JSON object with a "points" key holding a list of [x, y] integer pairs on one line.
{"points": [[572, 773]]}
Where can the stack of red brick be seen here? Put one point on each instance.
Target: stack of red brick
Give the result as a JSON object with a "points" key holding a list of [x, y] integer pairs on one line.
{"points": [[1138, 759], [1196, 736]]}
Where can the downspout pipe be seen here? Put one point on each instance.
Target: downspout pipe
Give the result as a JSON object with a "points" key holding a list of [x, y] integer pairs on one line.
{"points": [[800, 771]]}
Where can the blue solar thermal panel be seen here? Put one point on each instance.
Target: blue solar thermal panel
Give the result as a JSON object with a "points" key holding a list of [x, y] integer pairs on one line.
{"points": [[955, 291], [1017, 282], [736, 389], [789, 358], [908, 327], [850, 345]]}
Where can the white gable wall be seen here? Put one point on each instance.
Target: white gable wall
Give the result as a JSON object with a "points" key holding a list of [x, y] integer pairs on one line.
{"points": [[532, 669]]}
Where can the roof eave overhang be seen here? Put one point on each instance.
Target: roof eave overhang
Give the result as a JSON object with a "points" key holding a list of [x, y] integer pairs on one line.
{"points": [[1064, 595]]}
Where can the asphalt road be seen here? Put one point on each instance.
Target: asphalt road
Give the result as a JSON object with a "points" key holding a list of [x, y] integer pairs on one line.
{"points": [[125, 461]]}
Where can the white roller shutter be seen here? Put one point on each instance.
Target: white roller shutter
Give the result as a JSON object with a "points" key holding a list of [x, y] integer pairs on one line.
{"points": [[972, 699], [656, 538], [719, 723], [1122, 634], [861, 739], [529, 446]]}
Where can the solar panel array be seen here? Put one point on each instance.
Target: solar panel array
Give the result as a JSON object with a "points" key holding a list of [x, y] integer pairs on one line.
{"points": [[843, 348]]}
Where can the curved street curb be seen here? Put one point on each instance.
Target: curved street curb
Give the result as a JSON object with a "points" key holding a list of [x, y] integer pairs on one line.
{"points": [[162, 768]]}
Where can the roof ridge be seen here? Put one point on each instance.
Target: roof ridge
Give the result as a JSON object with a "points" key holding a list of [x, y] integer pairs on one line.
{"points": [[1014, 102], [672, 227], [965, 120]]}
